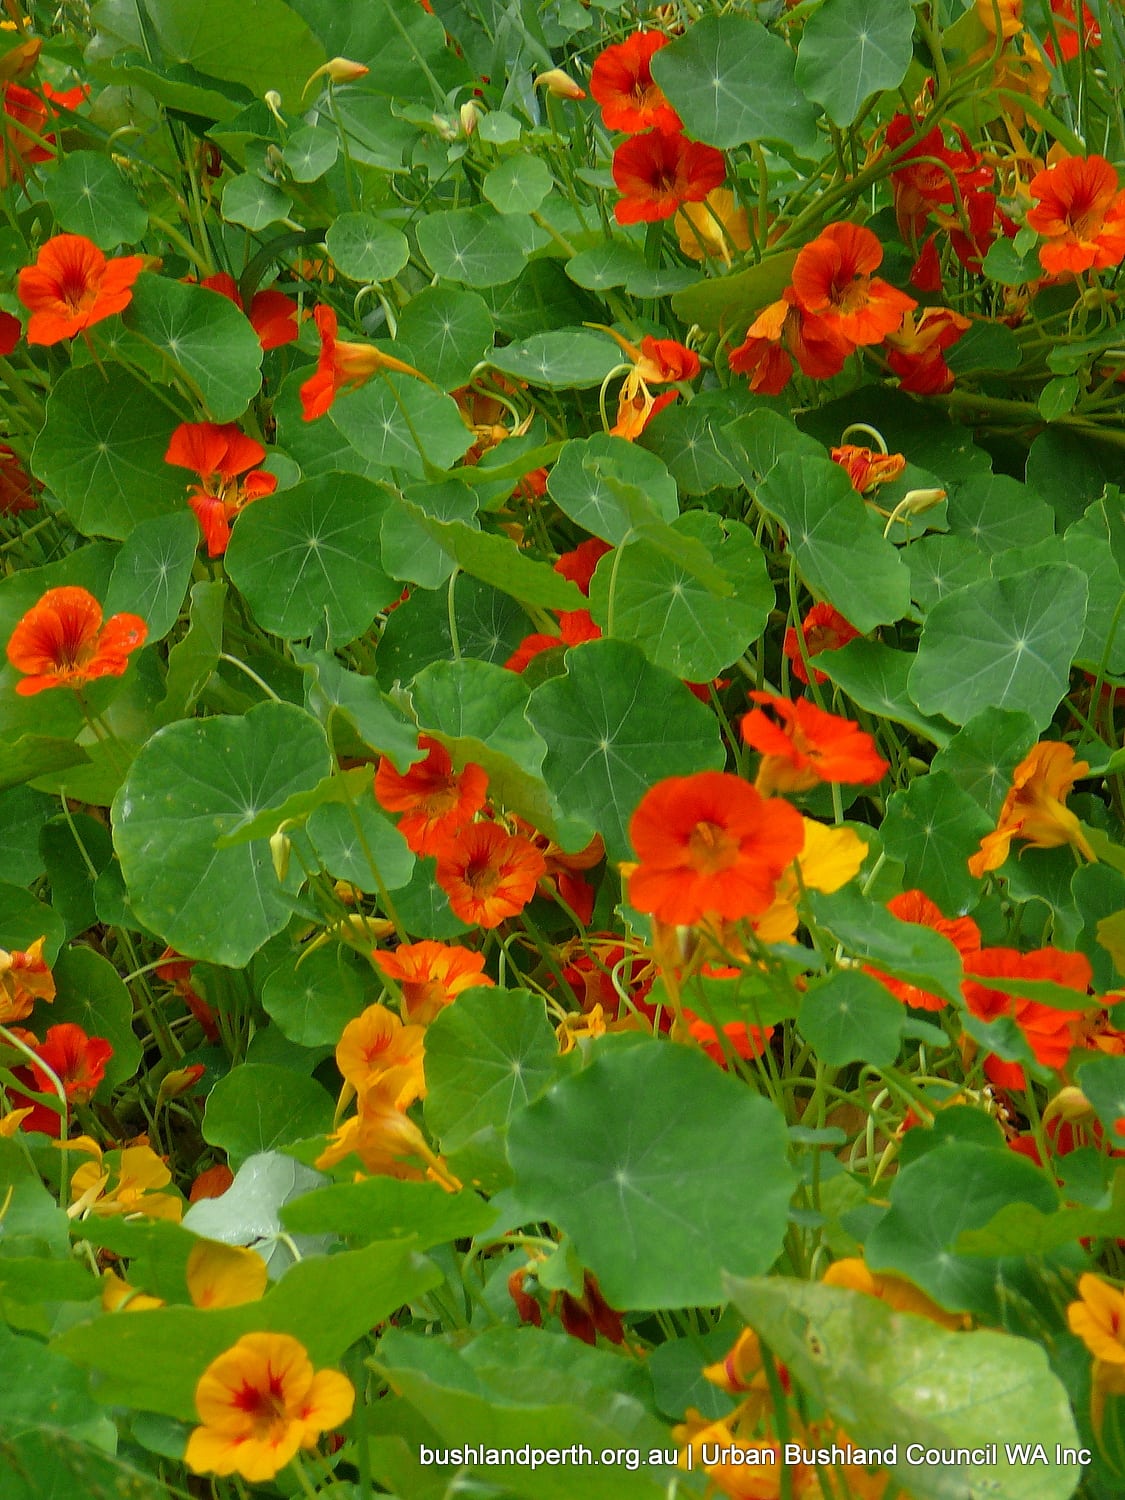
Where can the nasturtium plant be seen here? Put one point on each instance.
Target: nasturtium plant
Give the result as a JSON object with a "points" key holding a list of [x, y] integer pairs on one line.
{"points": [[562, 867]]}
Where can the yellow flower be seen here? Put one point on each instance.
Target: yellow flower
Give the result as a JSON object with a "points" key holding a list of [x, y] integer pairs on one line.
{"points": [[11, 1122], [898, 1293], [259, 1403], [119, 1296], [139, 1170], [385, 1139], [377, 1043], [713, 227], [1035, 808], [828, 859], [224, 1275], [1098, 1318]]}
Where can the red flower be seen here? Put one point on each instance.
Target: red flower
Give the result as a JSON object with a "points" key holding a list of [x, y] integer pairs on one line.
{"points": [[18, 491], [865, 468], [824, 629], [488, 874], [1080, 213], [575, 627], [61, 642], [808, 746], [435, 803], [660, 171], [273, 315], [832, 282], [1050, 1033], [622, 83], [1066, 25], [920, 184], [962, 932], [925, 274], [783, 333], [916, 351], [219, 455], [11, 330], [24, 116], [742, 1040], [71, 286], [709, 845], [342, 365], [579, 564], [77, 1060]]}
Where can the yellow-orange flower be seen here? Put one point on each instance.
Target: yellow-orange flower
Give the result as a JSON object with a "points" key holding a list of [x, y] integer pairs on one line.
{"points": [[1035, 808], [431, 975], [259, 1403], [376, 1043], [24, 978], [713, 227], [1098, 1318], [139, 1172], [828, 859], [221, 1275], [895, 1291]]}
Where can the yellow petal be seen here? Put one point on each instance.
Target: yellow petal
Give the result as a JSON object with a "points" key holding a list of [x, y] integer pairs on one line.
{"points": [[224, 1275], [830, 856]]}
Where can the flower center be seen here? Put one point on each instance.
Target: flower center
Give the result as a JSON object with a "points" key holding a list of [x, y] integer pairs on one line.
{"points": [[482, 877], [711, 848]]}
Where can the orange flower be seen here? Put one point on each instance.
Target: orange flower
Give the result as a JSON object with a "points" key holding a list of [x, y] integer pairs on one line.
{"points": [[1050, 1032], [865, 468], [1080, 213], [260, 1403], [435, 803], [916, 351], [24, 116], [376, 1043], [898, 1293], [1035, 808], [656, 362], [488, 874], [385, 1138], [1066, 25], [832, 282], [659, 172], [808, 746], [219, 455], [430, 976], [61, 642], [781, 334], [273, 315], [1098, 1319], [962, 932], [71, 286], [77, 1060], [342, 365], [24, 978], [824, 629], [621, 81], [742, 1040], [575, 627], [709, 845]]}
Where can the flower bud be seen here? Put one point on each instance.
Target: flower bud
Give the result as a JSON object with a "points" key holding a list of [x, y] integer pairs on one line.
{"points": [[470, 114], [559, 84], [272, 100], [338, 70], [280, 847]]}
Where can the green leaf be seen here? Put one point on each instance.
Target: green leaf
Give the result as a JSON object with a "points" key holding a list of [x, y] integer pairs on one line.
{"points": [[997, 512], [333, 689], [447, 332], [203, 335], [474, 247], [678, 622], [564, 359], [23, 919], [1102, 1080], [850, 1017], [615, 725], [312, 1001], [34, 755], [89, 196], [327, 1302], [876, 37], [498, 561], [337, 787], [257, 1107], [579, 483], [939, 565], [102, 450], [192, 660], [261, 44], [76, 849], [874, 676], [382, 1208], [983, 754], [956, 1187], [731, 303], [890, 1378], [1004, 642], [310, 152], [253, 202], [365, 248], [838, 546], [1021, 1229], [642, 1188], [350, 839], [38, 1382], [396, 422], [191, 783], [933, 827], [731, 81], [411, 553], [905, 950], [43, 1462], [518, 185], [90, 993], [684, 437], [488, 1055], [152, 571], [310, 557]]}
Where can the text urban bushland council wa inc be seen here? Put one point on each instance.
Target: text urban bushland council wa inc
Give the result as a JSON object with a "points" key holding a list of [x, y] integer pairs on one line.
{"points": [[914, 1455]]}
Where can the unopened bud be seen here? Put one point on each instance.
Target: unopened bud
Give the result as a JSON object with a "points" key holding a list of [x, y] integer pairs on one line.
{"points": [[179, 1081], [338, 70], [272, 100], [280, 847], [914, 502], [470, 114], [560, 84]]}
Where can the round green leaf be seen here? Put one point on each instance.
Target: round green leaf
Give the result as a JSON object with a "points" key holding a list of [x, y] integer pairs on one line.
{"points": [[611, 487], [684, 437], [191, 783], [348, 840], [876, 37], [518, 185], [310, 555], [409, 552], [731, 81], [91, 994], [23, 919], [1003, 643], [997, 512], [251, 201], [310, 152], [153, 569], [89, 196], [365, 248], [473, 246], [982, 756], [850, 1017], [102, 450], [447, 333], [258, 1107], [205, 336], [679, 622], [313, 1000], [933, 827], [396, 422], [634, 1158], [564, 359], [614, 726]]}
